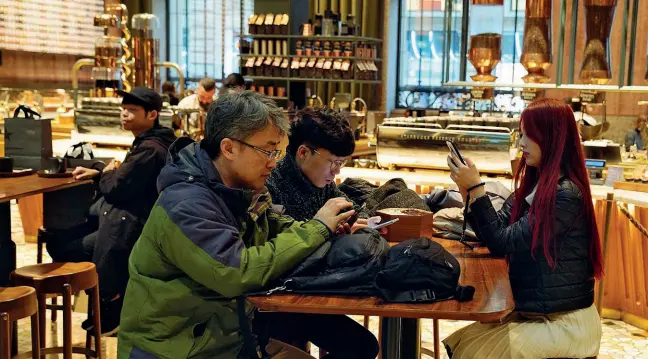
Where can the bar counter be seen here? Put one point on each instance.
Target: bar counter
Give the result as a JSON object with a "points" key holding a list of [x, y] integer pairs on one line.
{"points": [[625, 295]]}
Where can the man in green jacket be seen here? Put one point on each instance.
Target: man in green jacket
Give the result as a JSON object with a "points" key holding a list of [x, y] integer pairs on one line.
{"points": [[213, 236]]}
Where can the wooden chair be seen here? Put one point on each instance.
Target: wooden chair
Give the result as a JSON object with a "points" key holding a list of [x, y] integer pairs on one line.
{"points": [[17, 303], [63, 279], [41, 241]]}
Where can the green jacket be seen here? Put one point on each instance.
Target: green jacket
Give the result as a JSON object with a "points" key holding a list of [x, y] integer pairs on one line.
{"points": [[203, 245]]}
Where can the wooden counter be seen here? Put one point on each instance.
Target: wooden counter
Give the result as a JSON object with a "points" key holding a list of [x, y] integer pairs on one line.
{"points": [[625, 293]]}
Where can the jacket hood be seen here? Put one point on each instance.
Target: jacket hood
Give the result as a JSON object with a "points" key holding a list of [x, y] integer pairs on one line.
{"points": [[160, 134], [189, 163]]}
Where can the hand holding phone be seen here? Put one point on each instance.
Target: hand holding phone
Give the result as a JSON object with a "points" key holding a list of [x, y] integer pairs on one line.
{"points": [[454, 149], [385, 224], [354, 217]]}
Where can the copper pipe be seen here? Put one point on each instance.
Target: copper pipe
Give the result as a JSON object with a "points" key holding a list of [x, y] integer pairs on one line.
{"points": [[122, 11], [75, 76], [173, 65]]}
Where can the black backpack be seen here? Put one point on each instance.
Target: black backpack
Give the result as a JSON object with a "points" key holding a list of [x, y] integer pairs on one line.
{"points": [[344, 265], [421, 270]]}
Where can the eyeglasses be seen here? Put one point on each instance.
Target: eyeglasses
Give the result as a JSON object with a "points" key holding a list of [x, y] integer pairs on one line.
{"points": [[271, 154], [335, 165]]}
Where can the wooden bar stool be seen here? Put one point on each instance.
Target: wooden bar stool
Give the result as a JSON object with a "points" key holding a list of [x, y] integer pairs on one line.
{"points": [[41, 238], [63, 279], [17, 303]]}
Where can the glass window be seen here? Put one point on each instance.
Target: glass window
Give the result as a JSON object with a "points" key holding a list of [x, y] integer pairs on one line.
{"points": [[424, 41], [202, 36]]}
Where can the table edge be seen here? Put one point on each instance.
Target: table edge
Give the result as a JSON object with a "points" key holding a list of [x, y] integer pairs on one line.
{"points": [[262, 303], [46, 190]]}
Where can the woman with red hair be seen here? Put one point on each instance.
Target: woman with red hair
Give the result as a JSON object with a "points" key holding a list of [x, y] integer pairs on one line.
{"points": [[547, 230]]}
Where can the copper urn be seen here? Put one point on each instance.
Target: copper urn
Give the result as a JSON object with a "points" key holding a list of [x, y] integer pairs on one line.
{"points": [[536, 48], [485, 53], [599, 15]]}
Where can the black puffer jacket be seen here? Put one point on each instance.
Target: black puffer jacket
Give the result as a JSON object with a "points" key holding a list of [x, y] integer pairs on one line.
{"points": [[536, 287]]}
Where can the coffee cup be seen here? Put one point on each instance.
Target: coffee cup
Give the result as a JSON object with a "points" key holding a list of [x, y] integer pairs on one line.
{"points": [[53, 165], [6, 164]]}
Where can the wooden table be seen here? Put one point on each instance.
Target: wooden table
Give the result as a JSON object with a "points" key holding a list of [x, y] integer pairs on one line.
{"points": [[16, 188], [493, 300]]}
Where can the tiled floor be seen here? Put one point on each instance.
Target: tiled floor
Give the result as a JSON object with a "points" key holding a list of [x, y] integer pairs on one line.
{"points": [[620, 340]]}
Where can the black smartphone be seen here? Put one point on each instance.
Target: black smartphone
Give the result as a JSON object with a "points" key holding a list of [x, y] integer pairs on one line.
{"points": [[455, 150], [354, 217]]}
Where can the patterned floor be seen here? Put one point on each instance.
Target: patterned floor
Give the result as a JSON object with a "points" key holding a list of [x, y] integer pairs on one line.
{"points": [[620, 340]]}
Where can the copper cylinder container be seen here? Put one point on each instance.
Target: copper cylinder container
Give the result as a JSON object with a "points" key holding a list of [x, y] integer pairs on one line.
{"points": [[485, 53], [145, 51], [536, 49], [596, 67]]}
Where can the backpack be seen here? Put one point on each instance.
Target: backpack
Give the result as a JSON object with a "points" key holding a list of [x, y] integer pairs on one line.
{"points": [[421, 270], [346, 264]]}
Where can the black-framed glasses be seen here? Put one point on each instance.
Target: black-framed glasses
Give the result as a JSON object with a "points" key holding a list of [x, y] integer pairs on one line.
{"points": [[335, 165], [274, 154]]}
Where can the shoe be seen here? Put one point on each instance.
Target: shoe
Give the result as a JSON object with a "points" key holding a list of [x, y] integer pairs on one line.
{"points": [[110, 314]]}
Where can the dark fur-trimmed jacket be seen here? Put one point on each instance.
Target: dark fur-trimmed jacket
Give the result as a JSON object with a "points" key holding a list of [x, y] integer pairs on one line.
{"points": [[538, 288]]}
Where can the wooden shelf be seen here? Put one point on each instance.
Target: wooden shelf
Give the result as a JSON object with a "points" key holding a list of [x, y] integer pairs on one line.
{"points": [[245, 56], [299, 79], [320, 38]]}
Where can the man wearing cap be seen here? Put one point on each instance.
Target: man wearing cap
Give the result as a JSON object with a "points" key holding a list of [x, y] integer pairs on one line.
{"points": [[128, 193]]}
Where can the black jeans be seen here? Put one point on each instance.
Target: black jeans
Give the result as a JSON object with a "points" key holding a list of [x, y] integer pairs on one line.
{"points": [[72, 245], [339, 335]]}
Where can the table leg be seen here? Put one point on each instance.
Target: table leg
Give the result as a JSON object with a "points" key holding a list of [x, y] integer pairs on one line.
{"points": [[391, 330], [7, 260], [411, 339], [401, 338]]}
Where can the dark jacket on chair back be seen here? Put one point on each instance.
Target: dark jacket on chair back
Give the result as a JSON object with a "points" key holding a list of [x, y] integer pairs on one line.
{"points": [[538, 288]]}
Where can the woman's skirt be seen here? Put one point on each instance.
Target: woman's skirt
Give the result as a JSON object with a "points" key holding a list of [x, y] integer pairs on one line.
{"points": [[575, 334]]}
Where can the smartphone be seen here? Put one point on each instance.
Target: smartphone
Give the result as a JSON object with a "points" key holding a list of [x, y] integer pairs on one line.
{"points": [[354, 217], [455, 150], [385, 224]]}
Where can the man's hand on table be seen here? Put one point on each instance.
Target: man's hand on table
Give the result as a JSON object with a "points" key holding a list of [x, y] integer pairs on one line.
{"points": [[82, 173]]}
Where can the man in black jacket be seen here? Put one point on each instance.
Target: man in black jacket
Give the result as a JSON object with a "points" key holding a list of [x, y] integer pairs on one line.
{"points": [[128, 194]]}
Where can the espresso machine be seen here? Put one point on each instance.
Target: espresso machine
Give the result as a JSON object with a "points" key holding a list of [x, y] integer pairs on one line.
{"points": [[420, 142], [120, 63]]}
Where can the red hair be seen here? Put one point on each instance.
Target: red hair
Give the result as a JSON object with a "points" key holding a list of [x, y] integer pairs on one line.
{"points": [[551, 124]]}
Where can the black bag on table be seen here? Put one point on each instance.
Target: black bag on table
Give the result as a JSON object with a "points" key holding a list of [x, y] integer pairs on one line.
{"points": [[345, 265], [28, 138], [421, 270]]}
